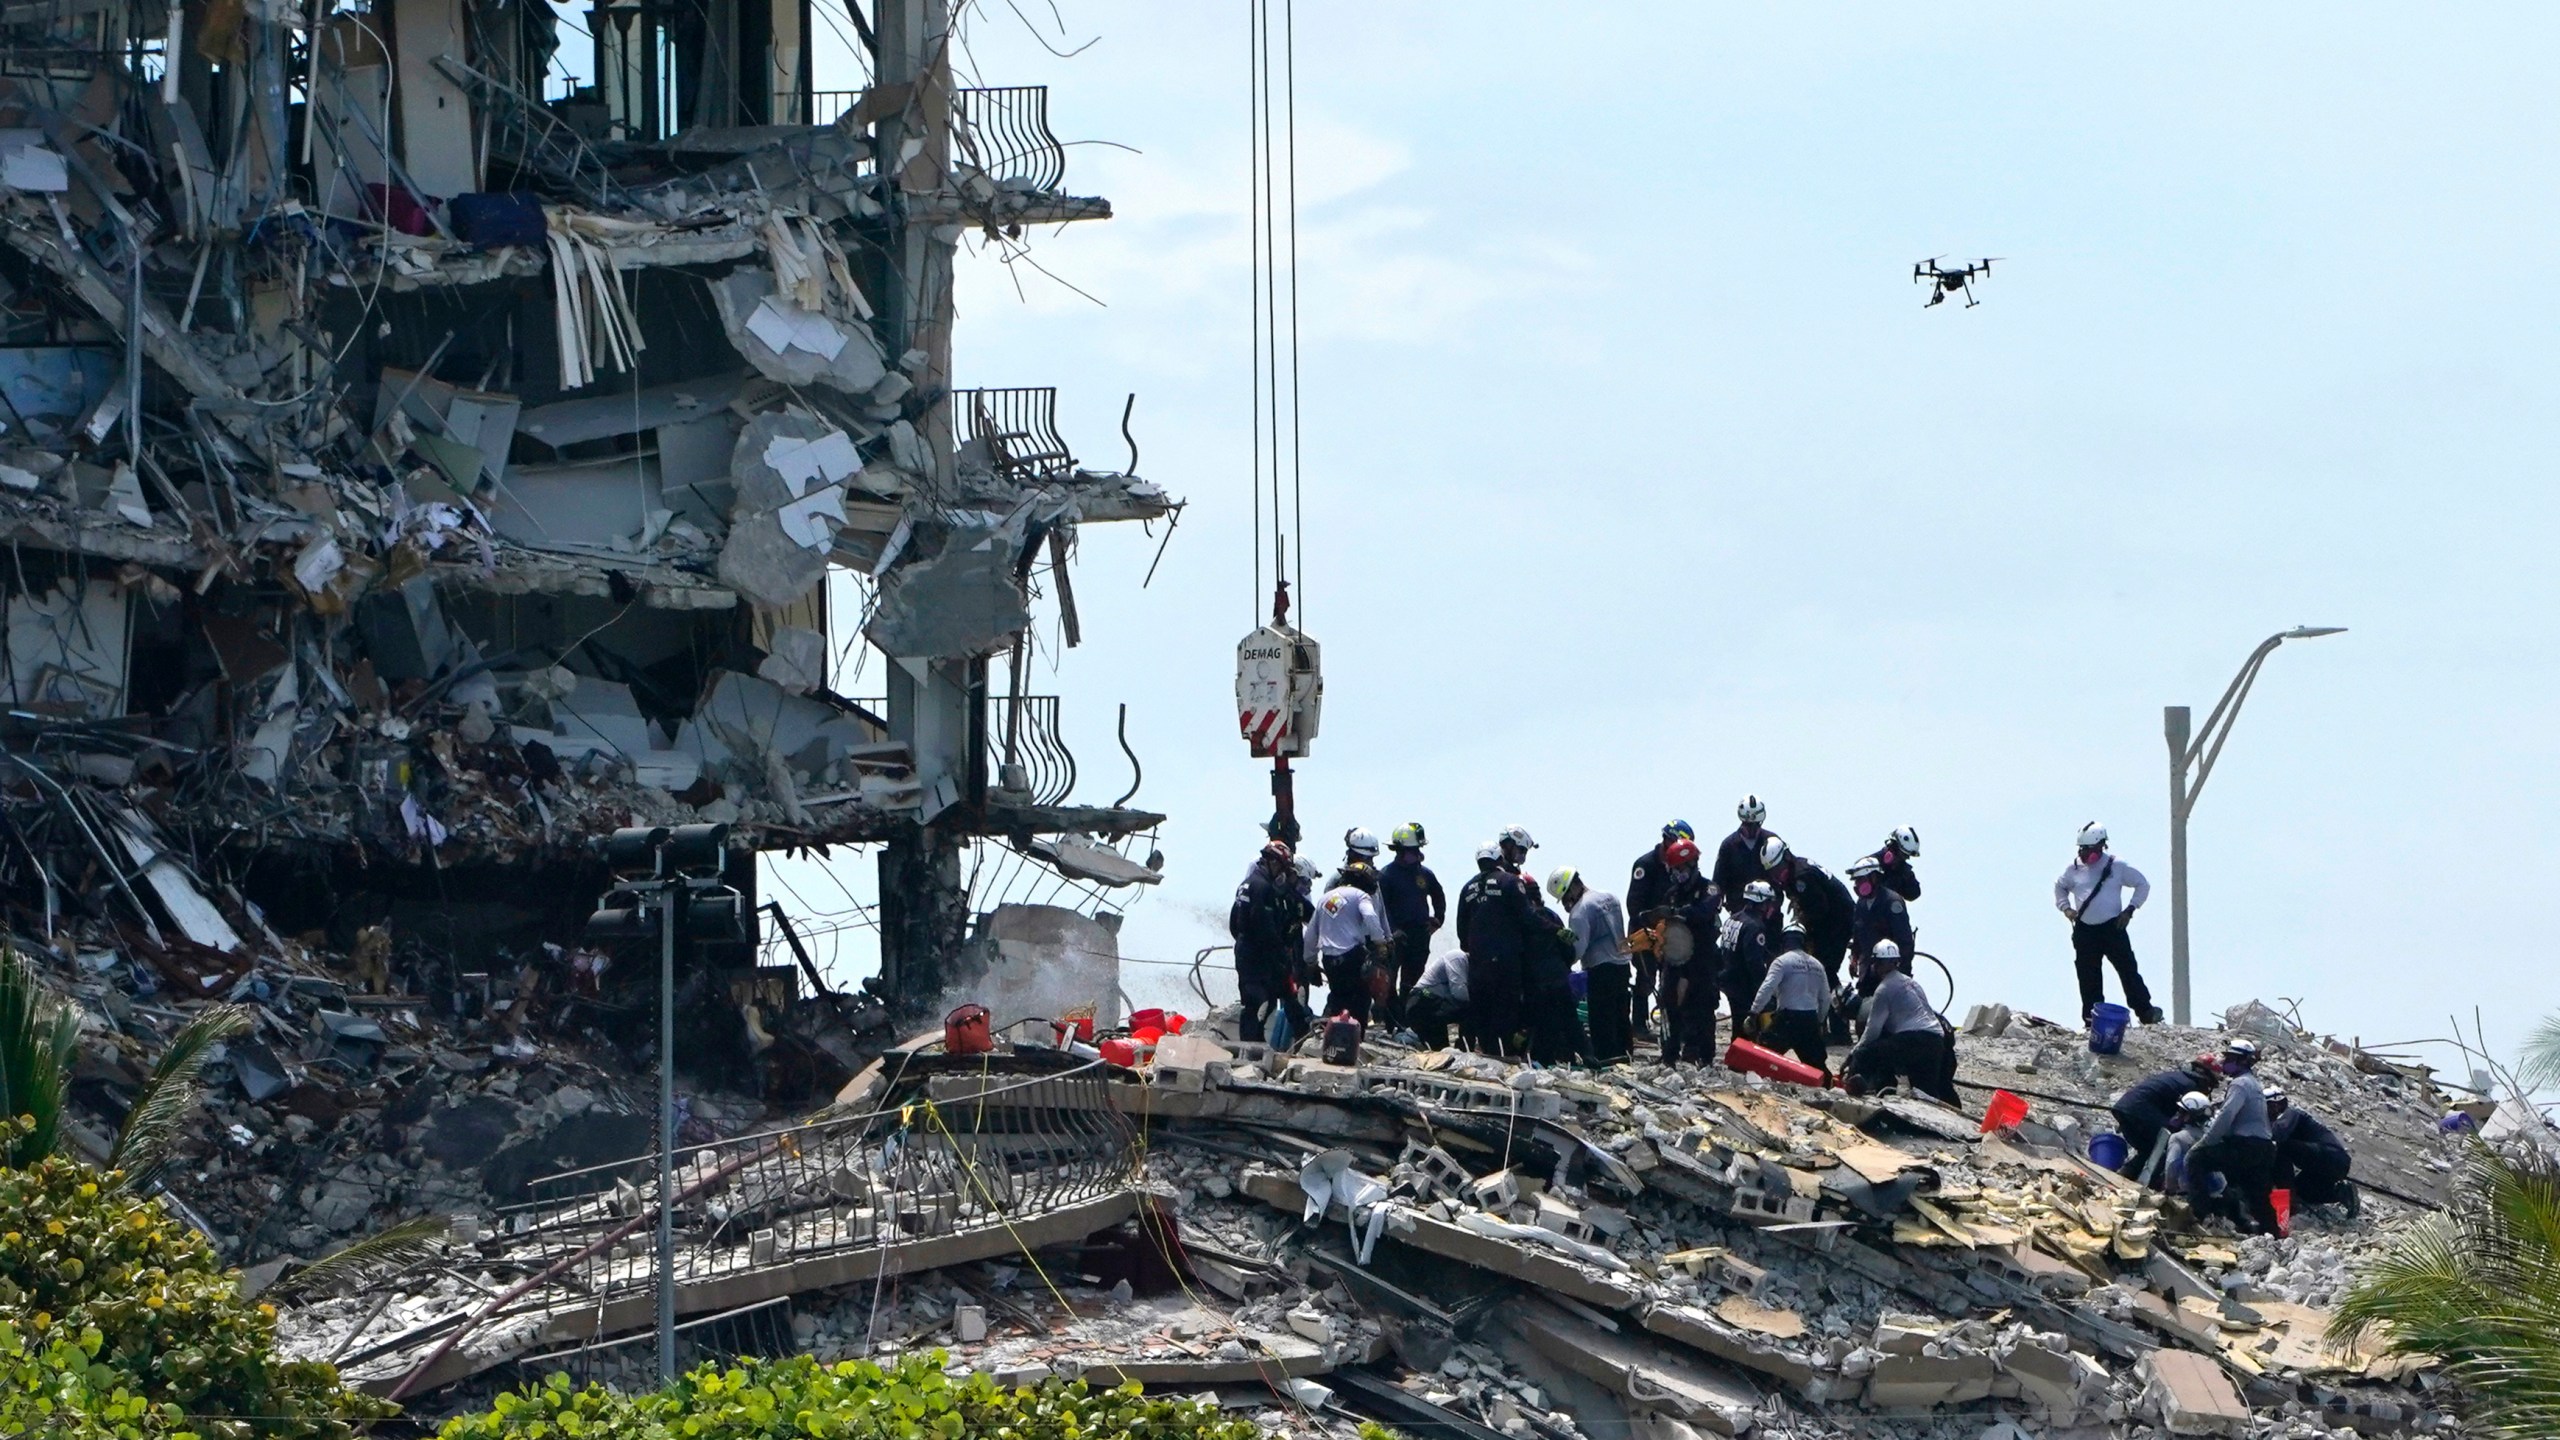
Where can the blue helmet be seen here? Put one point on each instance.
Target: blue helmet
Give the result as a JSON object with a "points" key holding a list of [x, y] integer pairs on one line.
{"points": [[1678, 830]]}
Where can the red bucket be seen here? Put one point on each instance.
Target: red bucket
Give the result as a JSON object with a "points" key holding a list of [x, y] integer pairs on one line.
{"points": [[1123, 1053], [2282, 1200], [2004, 1111], [1148, 1019], [965, 1031]]}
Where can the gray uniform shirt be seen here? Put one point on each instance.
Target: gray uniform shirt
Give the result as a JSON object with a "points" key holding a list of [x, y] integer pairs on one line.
{"points": [[2243, 1115], [1446, 977], [1599, 925], [1898, 1008], [1795, 982]]}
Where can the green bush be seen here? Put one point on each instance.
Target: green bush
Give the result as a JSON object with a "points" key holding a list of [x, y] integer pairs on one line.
{"points": [[854, 1400], [116, 1321]]}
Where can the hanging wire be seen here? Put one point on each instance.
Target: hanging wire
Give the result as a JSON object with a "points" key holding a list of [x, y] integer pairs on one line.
{"points": [[1253, 275], [1297, 474], [1271, 298]]}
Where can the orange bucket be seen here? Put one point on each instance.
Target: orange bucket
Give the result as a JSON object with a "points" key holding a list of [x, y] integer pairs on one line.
{"points": [[965, 1031]]}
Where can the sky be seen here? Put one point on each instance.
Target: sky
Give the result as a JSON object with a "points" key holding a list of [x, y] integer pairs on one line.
{"points": [[1636, 476]]}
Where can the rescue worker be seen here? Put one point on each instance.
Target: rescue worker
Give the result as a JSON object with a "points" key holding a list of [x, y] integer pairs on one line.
{"points": [[2090, 893], [1515, 845], [1877, 916], [1738, 858], [1497, 923], [1787, 1010], [1345, 937], [2146, 1108], [1438, 1000], [1548, 1011], [1900, 849], [1645, 882], [1905, 1038], [2184, 1125], [2311, 1160], [1824, 909], [1413, 905], [1680, 930], [2239, 1145], [1599, 925], [1750, 944], [1264, 921]]}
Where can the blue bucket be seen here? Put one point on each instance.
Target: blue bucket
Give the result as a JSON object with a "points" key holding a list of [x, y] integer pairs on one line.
{"points": [[2108, 1151], [2106, 1028]]}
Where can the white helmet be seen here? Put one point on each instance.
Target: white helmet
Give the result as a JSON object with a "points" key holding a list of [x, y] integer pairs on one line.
{"points": [[1906, 840], [1751, 811], [1759, 892], [2241, 1050], [2093, 836], [1864, 866], [1518, 835], [1359, 841], [1306, 868], [1886, 951], [2275, 1095], [1560, 880], [1773, 852], [1488, 851], [2194, 1103]]}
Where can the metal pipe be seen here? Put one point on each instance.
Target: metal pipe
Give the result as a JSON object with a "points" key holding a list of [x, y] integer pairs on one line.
{"points": [[668, 889]]}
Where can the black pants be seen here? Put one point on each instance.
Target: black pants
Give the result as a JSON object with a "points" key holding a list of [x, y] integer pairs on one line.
{"points": [[1412, 952], [2141, 1130], [2316, 1174], [1800, 1032], [2112, 943], [1605, 988], [1260, 987], [1429, 1016], [1346, 979], [1640, 998], [1689, 1014], [1493, 1001], [2247, 1168], [1923, 1056], [1741, 982], [1555, 1027]]}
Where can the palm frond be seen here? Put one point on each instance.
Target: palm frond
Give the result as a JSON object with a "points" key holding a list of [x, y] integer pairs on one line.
{"points": [[403, 1244], [2540, 1067], [38, 1036], [2478, 1286], [169, 1097]]}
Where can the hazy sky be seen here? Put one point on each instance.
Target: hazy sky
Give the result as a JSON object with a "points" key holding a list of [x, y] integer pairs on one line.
{"points": [[1638, 478]]}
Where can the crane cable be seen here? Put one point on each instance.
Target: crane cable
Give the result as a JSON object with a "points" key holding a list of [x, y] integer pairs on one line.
{"points": [[1272, 142]]}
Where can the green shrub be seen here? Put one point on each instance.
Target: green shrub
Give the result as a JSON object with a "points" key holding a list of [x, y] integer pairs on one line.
{"points": [[115, 1320], [854, 1400]]}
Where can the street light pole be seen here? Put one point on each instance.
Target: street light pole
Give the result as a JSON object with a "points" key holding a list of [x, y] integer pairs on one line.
{"points": [[2191, 757]]}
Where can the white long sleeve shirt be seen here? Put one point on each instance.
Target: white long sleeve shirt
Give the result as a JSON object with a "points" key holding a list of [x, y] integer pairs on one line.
{"points": [[1599, 927], [1345, 919], [2081, 894], [1446, 977]]}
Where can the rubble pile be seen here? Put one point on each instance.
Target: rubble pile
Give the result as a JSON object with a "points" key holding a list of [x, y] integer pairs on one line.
{"points": [[1436, 1238]]}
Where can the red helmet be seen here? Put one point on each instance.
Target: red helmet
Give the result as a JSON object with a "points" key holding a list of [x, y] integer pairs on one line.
{"points": [[1680, 852]]}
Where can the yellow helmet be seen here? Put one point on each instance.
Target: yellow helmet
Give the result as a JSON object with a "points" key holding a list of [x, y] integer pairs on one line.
{"points": [[1407, 836]]}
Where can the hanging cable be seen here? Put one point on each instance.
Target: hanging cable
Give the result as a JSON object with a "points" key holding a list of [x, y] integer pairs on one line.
{"points": [[1297, 473], [1253, 275], [1271, 301]]}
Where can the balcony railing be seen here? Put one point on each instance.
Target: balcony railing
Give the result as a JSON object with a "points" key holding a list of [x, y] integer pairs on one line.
{"points": [[1004, 133], [1024, 732], [1019, 426]]}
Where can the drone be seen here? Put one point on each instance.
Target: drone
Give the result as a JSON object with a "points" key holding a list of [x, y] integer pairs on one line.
{"points": [[1944, 283]]}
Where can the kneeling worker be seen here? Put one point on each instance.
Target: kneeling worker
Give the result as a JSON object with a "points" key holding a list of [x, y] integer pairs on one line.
{"points": [[1791, 1002], [2145, 1111], [1905, 1039], [2239, 1145], [2311, 1160], [1437, 1000]]}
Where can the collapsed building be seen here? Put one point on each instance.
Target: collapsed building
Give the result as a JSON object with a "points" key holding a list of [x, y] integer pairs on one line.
{"points": [[1463, 1246], [411, 475]]}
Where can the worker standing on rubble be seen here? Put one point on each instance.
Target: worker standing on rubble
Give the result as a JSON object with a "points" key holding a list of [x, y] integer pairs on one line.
{"points": [[1738, 858], [1359, 847], [1750, 944], [2090, 893], [1646, 882], [1264, 922], [1878, 916], [1900, 849], [1496, 926], [1905, 1037], [1787, 1011], [1680, 929], [1345, 938], [2239, 1145], [1599, 925], [2146, 1109], [1414, 906], [1547, 1007], [1827, 914], [2311, 1160]]}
